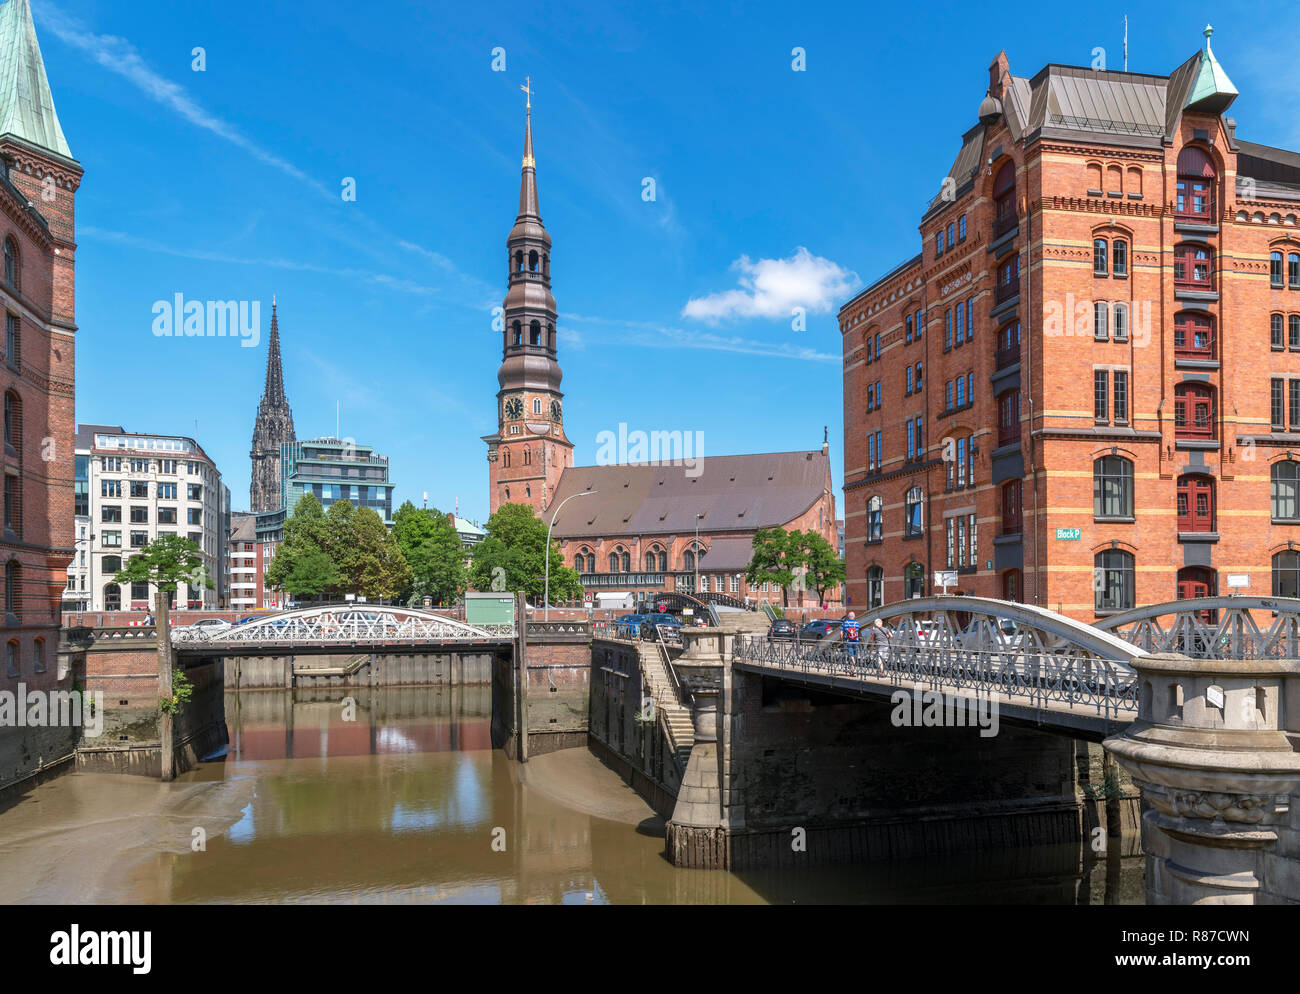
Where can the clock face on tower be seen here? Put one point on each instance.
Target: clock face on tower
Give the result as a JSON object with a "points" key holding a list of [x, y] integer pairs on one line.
{"points": [[555, 411], [514, 408]]}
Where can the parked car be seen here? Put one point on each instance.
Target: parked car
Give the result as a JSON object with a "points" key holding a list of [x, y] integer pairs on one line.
{"points": [[781, 628], [202, 628], [814, 631], [920, 632]]}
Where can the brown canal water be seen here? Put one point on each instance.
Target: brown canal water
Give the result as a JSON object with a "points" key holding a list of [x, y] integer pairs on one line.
{"points": [[405, 801]]}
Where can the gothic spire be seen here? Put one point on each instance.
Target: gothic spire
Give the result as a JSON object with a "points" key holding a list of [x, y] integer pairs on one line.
{"points": [[274, 392], [26, 106]]}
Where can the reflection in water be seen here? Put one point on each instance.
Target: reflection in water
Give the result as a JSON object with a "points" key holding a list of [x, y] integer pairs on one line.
{"points": [[407, 802]]}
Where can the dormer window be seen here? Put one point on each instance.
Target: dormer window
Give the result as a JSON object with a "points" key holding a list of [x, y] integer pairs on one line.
{"points": [[1195, 186]]}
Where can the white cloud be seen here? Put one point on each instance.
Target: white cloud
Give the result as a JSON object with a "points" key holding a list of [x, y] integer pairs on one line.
{"points": [[658, 336], [773, 288]]}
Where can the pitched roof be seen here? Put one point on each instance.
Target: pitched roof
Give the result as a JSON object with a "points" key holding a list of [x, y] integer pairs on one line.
{"points": [[26, 104], [740, 493]]}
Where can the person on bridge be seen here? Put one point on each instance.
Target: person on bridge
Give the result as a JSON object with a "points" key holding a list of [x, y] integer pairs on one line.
{"points": [[849, 632], [879, 643]]}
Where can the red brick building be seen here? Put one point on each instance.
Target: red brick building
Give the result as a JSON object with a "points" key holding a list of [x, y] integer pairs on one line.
{"points": [[1084, 391], [38, 185]]}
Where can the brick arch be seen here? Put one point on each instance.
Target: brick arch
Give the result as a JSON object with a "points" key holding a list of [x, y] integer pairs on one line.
{"points": [[1109, 231], [1114, 450], [1115, 543]]}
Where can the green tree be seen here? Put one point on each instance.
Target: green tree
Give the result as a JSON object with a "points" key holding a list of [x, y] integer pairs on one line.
{"points": [[516, 547], [298, 557], [775, 558], [373, 566], [164, 564], [823, 568], [433, 549]]}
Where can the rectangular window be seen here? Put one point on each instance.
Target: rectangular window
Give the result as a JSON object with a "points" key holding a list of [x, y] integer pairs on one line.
{"points": [[911, 442], [909, 380], [947, 329], [110, 488], [139, 540], [166, 515], [970, 320], [1275, 269], [880, 450], [1121, 396], [1293, 270], [938, 242], [920, 437], [13, 340], [871, 451], [166, 491], [971, 535], [950, 527], [961, 542], [918, 325], [112, 539], [961, 464], [194, 516], [1293, 331], [108, 512], [1101, 321], [1278, 404], [907, 335], [167, 466], [194, 491], [139, 465], [961, 228], [1293, 396], [1277, 332], [1099, 257], [1120, 251], [970, 388], [139, 515], [961, 391], [1100, 398], [947, 395], [950, 234], [960, 321], [139, 488]]}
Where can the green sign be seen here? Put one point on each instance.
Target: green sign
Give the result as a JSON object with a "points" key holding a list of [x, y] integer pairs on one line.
{"points": [[1068, 534], [489, 609]]}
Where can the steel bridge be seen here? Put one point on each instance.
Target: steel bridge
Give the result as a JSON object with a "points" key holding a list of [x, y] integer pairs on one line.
{"points": [[1039, 666], [340, 628], [1233, 627]]}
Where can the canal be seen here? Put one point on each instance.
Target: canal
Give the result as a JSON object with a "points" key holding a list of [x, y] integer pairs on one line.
{"points": [[396, 796]]}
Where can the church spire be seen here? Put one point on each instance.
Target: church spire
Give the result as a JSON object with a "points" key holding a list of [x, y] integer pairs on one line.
{"points": [[26, 105], [274, 392], [528, 174]]}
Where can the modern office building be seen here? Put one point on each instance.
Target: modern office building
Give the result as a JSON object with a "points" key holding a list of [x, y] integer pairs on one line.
{"points": [[1083, 391], [140, 486], [334, 469]]}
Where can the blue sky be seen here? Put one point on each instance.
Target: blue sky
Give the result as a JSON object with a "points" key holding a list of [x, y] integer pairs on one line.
{"points": [[773, 187]]}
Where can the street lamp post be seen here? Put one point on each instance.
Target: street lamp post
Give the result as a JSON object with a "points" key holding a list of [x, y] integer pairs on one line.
{"points": [[546, 590], [697, 554]]}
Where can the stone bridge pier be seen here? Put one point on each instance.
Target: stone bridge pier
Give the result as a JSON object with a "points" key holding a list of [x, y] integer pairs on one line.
{"points": [[1216, 752]]}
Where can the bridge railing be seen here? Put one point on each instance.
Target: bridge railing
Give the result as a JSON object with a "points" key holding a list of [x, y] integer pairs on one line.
{"points": [[1040, 676]]}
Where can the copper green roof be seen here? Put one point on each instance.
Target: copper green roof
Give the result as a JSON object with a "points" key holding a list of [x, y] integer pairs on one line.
{"points": [[26, 105], [1211, 88]]}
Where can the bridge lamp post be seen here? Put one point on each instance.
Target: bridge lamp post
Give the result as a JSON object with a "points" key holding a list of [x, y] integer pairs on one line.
{"points": [[546, 591], [697, 555]]}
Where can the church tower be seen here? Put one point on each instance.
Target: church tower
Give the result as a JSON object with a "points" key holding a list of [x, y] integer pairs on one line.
{"points": [[274, 426], [529, 451]]}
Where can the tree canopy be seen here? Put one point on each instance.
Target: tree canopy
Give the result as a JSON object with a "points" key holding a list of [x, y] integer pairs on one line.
{"points": [[794, 559], [433, 549], [344, 550], [513, 557]]}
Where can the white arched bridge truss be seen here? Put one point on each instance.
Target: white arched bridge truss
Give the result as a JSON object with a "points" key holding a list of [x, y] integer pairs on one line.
{"points": [[1038, 664], [342, 626], [1233, 627]]}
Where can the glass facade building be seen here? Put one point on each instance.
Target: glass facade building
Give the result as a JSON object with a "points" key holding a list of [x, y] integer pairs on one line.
{"points": [[334, 469]]}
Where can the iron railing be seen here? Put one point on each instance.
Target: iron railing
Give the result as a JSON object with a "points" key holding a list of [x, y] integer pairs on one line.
{"points": [[343, 625]]}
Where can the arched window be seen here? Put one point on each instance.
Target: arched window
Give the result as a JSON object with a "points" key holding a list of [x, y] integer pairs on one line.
{"points": [[613, 562], [1193, 410], [1011, 585], [1286, 574], [506, 492], [519, 333], [1119, 319], [534, 333], [650, 561], [627, 562], [1194, 335], [914, 581], [663, 561], [1293, 270], [875, 519], [546, 265], [11, 658], [1196, 581], [532, 261], [12, 272], [13, 340], [1284, 484], [528, 457], [519, 260], [1134, 180], [14, 423], [1101, 321], [1004, 199], [688, 560], [1009, 418], [13, 504], [1195, 503], [1195, 187], [1100, 257], [875, 587], [1112, 487], [112, 597], [1113, 580], [912, 510], [528, 491], [1008, 353], [505, 459], [550, 335], [1192, 266], [1275, 269], [537, 405]]}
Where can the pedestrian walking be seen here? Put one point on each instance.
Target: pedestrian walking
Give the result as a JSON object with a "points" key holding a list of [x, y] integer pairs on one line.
{"points": [[849, 635], [879, 644]]}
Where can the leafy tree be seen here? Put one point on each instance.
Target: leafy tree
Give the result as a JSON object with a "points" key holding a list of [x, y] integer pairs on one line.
{"points": [[298, 557], [367, 558], [823, 568], [516, 546], [775, 558], [164, 564], [433, 549]]}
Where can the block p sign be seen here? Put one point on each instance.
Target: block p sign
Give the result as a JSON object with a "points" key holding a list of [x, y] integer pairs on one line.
{"points": [[1068, 534]]}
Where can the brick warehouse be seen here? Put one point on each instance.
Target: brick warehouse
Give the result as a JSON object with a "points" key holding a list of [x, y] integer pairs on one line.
{"points": [[38, 184], [1083, 392]]}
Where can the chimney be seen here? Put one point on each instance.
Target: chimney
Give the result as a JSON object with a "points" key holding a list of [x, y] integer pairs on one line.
{"points": [[999, 69]]}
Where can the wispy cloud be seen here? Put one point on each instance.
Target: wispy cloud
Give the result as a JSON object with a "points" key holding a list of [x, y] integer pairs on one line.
{"points": [[773, 288], [119, 56], [652, 335], [206, 255]]}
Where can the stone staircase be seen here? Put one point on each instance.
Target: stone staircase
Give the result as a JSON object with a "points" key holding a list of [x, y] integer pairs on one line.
{"points": [[677, 717]]}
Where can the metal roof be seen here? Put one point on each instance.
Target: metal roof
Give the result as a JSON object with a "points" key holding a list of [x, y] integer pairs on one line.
{"points": [[733, 493], [26, 104]]}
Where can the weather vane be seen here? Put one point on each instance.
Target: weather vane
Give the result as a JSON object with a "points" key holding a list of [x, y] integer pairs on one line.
{"points": [[528, 89]]}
